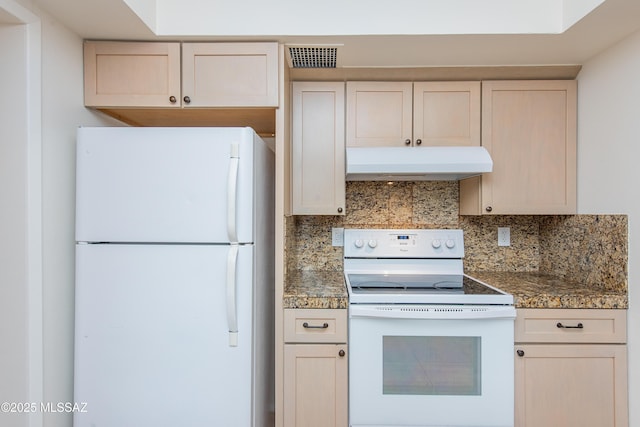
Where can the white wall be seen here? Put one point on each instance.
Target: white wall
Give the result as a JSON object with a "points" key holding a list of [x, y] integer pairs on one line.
{"points": [[356, 17], [62, 112], [37, 161], [14, 369], [608, 171]]}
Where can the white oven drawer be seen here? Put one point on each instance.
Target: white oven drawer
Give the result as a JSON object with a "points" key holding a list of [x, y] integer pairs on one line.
{"points": [[315, 326]]}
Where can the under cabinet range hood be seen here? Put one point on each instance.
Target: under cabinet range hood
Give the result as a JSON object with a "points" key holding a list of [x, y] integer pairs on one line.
{"points": [[416, 163]]}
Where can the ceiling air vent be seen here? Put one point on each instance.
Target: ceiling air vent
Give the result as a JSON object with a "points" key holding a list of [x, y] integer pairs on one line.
{"points": [[313, 56]]}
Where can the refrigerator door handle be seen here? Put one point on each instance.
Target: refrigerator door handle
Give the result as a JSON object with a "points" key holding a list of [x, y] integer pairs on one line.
{"points": [[232, 192], [232, 315]]}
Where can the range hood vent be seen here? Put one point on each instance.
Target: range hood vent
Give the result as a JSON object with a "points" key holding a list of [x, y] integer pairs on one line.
{"points": [[416, 163], [312, 56]]}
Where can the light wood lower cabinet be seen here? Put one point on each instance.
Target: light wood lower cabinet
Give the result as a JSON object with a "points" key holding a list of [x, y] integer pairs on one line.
{"points": [[315, 368], [571, 385], [315, 385], [575, 375]]}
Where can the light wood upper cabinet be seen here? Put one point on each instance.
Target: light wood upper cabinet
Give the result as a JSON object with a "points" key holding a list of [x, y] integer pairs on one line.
{"points": [[564, 375], [318, 154], [446, 113], [150, 74], [529, 128], [128, 74], [418, 114], [379, 114], [230, 74]]}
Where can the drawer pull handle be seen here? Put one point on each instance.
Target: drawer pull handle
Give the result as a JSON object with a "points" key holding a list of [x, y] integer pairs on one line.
{"points": [[578, 326], [308, 326]]}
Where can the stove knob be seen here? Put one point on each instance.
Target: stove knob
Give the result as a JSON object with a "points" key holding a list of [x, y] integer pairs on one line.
{"points": [[358, 243], [373, 243], [450, 243], [436, 244]]}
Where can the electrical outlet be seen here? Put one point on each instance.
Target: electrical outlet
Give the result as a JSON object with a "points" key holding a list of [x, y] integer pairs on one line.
{"points": [[337, 237], [504, 236]]}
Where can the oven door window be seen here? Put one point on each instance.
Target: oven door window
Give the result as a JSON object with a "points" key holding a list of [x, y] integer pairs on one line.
{"points": [[431, 365]]}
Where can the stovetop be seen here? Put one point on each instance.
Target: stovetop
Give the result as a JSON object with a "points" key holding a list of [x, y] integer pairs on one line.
{"points": [[402, 289]]}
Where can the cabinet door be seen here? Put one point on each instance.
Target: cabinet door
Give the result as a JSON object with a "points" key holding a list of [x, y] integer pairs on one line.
{"points": [[446, 113], [571, 385], [129, 74], [529, 128], [315, 385], [318, 164], [379, 114], [230, 74]]}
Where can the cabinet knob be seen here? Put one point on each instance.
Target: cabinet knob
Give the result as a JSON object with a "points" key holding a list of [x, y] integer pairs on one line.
{"points": [[341, 353], [407, 142], [520, 353], [488, 209], [418, 141], [172, 99], [339, 210], [186, 100]]}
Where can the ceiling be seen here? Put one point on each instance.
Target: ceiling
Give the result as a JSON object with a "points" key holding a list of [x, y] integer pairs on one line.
{"points": [[607, 24], [7, 18]]}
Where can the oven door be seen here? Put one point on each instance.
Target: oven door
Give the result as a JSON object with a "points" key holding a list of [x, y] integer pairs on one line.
{"points": [[431, 365]]}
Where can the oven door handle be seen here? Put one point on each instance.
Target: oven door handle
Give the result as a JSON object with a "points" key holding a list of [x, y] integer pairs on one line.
{"points": [[432, 312]]}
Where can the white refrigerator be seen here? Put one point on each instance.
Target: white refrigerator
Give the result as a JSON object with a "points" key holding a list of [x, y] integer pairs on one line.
{"points": [[174, 278]]}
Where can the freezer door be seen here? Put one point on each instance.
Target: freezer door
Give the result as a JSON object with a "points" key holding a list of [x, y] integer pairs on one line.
{"points": [[152, 337], [165, 184]]}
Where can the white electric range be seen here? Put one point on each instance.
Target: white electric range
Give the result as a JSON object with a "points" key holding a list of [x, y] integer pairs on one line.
{"points": [[429, 346]]}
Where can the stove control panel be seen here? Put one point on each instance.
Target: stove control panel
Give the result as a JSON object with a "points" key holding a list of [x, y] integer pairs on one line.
{"points": [[374, 243]]}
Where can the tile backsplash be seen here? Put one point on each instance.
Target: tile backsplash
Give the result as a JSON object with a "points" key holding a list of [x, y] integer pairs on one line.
{"points": [[584, 248]]}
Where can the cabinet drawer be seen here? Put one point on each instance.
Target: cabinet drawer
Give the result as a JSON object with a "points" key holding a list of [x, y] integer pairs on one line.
{"points": [[315, 326], [571, 326]]}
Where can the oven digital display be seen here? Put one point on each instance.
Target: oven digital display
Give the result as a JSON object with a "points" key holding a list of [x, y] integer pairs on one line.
{"points": [[400, 240]]}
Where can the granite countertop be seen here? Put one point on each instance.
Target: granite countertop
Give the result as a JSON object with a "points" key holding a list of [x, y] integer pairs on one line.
{"points": [[326, 289], [315, 289], [539, 290]]}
